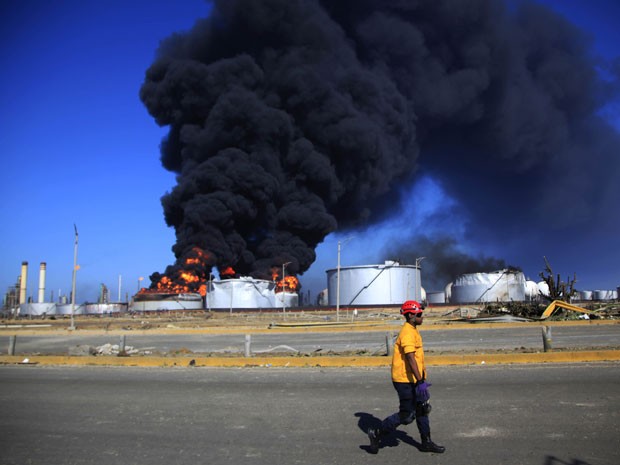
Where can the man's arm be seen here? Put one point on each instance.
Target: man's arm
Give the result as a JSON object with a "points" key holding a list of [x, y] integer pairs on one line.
{"points": [[414, 366]]}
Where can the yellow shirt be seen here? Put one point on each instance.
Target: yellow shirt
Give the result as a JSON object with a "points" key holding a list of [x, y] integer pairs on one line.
{"points": [[409, 340]]}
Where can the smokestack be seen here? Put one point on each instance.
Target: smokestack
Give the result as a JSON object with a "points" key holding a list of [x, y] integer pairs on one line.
{"points": [[22, 283], [42, 282]]}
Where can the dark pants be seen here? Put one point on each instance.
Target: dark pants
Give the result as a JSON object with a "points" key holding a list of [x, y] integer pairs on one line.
{"points": [[406, 412]]}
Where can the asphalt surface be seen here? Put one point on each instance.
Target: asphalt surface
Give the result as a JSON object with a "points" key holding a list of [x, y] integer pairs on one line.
{"points": [[455, 339], [526, 414]]}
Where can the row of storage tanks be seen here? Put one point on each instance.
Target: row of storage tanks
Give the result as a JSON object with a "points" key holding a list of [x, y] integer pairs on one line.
{"points": [[389, 283], [392, 283], [242, 293]]}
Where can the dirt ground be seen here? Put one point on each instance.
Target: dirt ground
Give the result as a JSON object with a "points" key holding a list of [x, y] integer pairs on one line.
{"points": [[200, 319]]}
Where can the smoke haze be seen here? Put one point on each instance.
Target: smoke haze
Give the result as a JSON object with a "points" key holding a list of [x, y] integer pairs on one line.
{"points": [[291, 119]]}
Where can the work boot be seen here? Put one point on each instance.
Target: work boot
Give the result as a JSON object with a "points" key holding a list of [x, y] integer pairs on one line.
{"points": [[429, 446], [373, 435]]}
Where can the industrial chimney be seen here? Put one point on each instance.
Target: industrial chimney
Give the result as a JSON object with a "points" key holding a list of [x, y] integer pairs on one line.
{"points": [[22, 283], [42, 282]]}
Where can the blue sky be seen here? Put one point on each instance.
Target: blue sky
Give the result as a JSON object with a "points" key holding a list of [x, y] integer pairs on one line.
{"points": [[78, 147]]}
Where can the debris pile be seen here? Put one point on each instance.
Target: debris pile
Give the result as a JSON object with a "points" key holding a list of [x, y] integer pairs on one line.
{"points": [[115, 349]]}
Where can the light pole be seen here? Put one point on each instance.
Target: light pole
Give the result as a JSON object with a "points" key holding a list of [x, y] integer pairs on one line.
{"points": [[417, 272], [338, 280], [75, 268], [284, 265], [140, 283]]}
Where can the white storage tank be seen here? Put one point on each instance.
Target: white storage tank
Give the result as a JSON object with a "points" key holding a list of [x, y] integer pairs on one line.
{"points": [[531, 290], [448, 291], [105, 309], [585, 295], [543, 288], [155, 302], [65, 309], [285, 300], [602, 295], [245, 292], [436, 297], [37, 309], [390, 283], [498, 286]]}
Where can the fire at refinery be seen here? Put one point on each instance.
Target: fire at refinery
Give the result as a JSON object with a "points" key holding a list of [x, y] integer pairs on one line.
{"points": [[195, 277]]}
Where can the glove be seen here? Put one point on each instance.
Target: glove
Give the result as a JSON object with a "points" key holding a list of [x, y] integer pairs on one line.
{"points": [[421, 391]]}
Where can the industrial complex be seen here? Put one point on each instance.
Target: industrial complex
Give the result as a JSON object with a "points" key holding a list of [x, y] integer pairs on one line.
{"points": [[385, 284]]}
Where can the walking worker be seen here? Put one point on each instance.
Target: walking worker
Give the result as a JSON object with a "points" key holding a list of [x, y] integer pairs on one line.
{"points": [[409, 379]]}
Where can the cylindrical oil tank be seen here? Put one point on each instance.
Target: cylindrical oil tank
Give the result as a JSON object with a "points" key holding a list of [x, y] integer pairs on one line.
{"points": [[285, 300], [585, 295], [245, 292], [531, 290], [390, 283], [436, 297], [448, 291], [105, 309], [37, 309], [601, 295], [543, 288], [156, 302], [498, 286], [65, 309]]}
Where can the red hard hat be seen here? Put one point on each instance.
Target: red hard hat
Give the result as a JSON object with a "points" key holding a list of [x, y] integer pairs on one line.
{"points": [[411, 306]]}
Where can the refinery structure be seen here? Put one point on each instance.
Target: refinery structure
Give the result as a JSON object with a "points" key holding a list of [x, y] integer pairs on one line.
{"points": [[387, 284]]}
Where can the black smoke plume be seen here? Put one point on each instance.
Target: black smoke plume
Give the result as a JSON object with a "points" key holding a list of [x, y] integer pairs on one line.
{"points": [[291, 119], [446, 261]]}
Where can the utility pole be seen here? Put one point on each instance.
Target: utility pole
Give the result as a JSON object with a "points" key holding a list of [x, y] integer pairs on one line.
{"points": [[284, 265], [338, 280], [75, 268], [417, 272]]}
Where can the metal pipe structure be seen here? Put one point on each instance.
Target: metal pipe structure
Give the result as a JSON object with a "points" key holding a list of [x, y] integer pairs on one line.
{"points": [[22, 283], [42, 271]]}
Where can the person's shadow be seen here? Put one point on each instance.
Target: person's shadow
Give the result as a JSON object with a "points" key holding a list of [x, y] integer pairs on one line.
{"points": [[366, 420]]}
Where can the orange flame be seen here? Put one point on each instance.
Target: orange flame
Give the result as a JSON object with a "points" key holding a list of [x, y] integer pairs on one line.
{"points": [[227, 272], [288, 284], [187, 280]]}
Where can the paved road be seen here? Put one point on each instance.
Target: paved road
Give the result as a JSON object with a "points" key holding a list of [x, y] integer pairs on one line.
{"points": [[535, 415], [469, 340]]}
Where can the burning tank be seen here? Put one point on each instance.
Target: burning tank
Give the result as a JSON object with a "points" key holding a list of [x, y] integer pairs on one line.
{"points": [[250, 293], [163, 301], [183, 287], [243, 292]]}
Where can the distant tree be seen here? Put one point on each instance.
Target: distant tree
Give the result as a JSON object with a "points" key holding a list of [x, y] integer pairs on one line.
{"points": [[558, 289]]}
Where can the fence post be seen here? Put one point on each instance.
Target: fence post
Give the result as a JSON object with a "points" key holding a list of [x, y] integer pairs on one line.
{"points": [[12, 342], [389, 337], [248, 344], [547, 340]]}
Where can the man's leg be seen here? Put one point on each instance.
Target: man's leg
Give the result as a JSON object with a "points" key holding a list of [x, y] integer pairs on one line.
{"points": [[404, 416], [424, 427]]}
